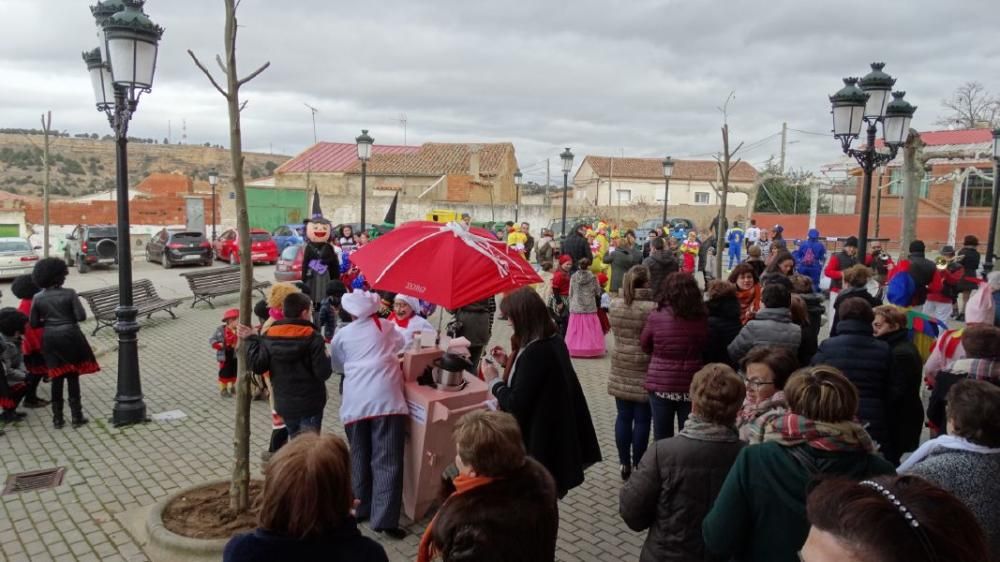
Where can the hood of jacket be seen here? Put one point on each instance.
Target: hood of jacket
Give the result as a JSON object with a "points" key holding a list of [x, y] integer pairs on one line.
{"points": [[584, 279], [852, 326], [813, 234], [781, 314], [893, 338], [726, 307]]}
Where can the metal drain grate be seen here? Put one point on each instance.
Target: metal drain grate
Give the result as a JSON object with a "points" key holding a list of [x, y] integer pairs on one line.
{"points": [[34, 480]]}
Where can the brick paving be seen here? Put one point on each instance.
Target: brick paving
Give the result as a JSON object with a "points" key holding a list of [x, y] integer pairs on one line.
{"points": [[112, 470]]}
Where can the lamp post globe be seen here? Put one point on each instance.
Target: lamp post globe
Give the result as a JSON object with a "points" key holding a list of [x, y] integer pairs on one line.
{"points": [[848, 109], [365, 142], [567, 165], [121, 69], [896, 124], [517, 193], [668, 170], [877, 84]]}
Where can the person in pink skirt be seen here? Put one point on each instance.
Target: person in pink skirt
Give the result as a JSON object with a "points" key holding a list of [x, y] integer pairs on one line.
{"points": [[584, 336]]}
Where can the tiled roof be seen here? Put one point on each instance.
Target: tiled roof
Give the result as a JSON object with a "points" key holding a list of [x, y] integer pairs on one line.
{"points": [[954, 138], [652, 168], [336, 157], [429, 159]]}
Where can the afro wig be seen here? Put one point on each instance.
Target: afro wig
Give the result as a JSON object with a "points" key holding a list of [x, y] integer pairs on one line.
{"points": [[24, 287], [279, 291], [260, 310], [49, 273], [12, 321]]}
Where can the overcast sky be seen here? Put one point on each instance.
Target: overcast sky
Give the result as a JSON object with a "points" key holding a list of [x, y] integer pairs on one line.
{"points": [[640, 76]]}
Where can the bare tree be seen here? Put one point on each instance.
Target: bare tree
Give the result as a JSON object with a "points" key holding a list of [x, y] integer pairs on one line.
{"points": [[726, 165], [239, 490], [971, 106], [46, 129]]}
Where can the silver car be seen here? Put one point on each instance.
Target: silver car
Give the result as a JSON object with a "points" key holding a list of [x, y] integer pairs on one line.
{"points": [[17, 257]]}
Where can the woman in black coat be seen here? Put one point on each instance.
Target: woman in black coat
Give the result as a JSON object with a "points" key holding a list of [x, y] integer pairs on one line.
{"points": [[723, 321], [969, 258], [856, 280], [907, 419], [541, 390], [866, 362]]}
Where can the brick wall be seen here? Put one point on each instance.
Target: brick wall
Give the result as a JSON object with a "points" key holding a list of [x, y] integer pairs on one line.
{"points": [[163, 210]]}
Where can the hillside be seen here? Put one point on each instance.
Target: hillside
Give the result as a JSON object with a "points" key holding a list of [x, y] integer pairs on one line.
{"points": [[80, 166]]}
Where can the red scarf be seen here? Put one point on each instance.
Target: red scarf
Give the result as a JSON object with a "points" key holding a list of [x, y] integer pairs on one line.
{"points": [[463, 484], [401, 323], [749, 302]]}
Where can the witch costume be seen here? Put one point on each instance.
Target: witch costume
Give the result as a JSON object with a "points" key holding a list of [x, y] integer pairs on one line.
{"points": [[319, 261]]}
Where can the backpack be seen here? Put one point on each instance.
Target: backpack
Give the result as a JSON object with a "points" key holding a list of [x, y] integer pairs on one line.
{"points": [[901, 289], [808, 257]]}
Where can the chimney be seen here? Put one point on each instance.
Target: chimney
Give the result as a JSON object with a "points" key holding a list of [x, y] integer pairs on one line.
{"points": [[474, 161]]}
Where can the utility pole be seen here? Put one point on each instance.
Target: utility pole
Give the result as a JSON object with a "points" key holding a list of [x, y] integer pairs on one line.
{"points": [[784, 143], [46, 128], [813, 202], [548, 171]]}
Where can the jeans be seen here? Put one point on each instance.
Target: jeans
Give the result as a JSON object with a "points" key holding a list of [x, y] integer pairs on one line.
{"points": [[663, 415], [631, 430], [296, 426]]}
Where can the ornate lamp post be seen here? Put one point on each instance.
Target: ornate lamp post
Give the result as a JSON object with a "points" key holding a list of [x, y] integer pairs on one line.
{"points": [[869, 104], [991, 241], [517, 193], [364, 154], [121, 69], [668, 170], [567, 165], [213, 180]]}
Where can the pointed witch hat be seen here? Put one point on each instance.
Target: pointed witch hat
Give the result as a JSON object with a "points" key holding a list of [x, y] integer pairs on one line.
{"points": [[316, 211], [390, 215]]}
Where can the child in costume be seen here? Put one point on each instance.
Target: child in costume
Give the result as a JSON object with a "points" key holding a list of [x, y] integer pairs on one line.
{"points": [[735, 240], [689, 252], [224, 343], [13, 380], [517, 239], [31, 342]]}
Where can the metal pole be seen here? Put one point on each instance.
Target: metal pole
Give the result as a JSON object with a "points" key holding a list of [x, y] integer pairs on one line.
{"points": [[868, 165], [666, 194], [991, 241], [364, 174], [129, 405], [878, 203], [565, 196], [214, 207], [517, 200]]}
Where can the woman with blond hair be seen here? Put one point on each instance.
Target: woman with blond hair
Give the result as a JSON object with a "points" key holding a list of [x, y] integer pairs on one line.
{"points": [[305, 511], [679, 478], [759, 513], [629, 362]]}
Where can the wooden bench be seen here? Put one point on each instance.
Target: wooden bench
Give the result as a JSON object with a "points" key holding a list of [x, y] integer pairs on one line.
{"points": [[211, 283], [103, 302]]}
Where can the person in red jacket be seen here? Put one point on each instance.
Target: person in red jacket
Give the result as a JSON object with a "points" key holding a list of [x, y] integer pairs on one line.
{"points": [[224, 342], [559, 304], [944, 287], [31, 342], [837, 265]]}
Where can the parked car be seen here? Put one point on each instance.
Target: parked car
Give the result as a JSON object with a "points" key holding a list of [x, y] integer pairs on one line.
{"points": [[262, 247], [289, 235], [173, 247], [643, 229], [88, 246], [17, 257], [290, 264], [556, 224]]}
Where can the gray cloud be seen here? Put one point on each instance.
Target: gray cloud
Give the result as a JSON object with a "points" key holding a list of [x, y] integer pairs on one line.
{"points": [[644, 76]]}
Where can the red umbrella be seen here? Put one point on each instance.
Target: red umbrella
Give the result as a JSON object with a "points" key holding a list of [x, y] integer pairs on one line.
{"points": [[444, 264]]}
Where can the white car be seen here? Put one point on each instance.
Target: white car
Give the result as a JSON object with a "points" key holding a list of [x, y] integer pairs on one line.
{"points": [[17, 257]]}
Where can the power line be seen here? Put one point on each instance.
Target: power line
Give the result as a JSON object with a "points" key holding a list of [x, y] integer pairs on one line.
{"points": [[810, 132]]}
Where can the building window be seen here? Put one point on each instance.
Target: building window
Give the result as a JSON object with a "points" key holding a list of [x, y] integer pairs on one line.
{"points": [[624, 196], [977, 191], [896, 183], [701, 197]]}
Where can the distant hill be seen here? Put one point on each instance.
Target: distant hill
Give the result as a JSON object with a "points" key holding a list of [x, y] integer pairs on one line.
{"points": [[80, 166]]}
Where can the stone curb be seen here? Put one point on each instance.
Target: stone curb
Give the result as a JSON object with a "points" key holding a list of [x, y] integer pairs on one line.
{"points": [[163, 538]]}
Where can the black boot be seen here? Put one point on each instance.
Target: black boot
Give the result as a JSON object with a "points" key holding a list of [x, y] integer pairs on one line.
{"points": [[76, 411], [58, 421]]}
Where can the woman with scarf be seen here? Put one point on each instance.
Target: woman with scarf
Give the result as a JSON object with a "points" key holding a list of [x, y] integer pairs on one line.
{"points": [[501, 506], [966, 461], [744, 276], [767, 370], [584, 334], [907, 419], [679, 477], [759, 514], [406, 316]]}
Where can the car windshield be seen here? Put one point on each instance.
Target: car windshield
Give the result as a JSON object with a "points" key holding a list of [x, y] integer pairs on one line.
{"points": [[301, 230], [290, 252], [260, 236], [103, 232], [187, 237], [14, 246]]}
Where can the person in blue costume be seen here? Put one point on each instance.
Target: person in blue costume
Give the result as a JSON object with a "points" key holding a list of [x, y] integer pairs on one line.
{"points": [[809, 257], [735, 238]]}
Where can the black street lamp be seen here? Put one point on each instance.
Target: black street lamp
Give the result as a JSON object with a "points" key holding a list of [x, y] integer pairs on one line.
{"points": [[869, 104], [567, 165], [668, 170], [991, 241], [517, 193], [364, 154], [121, 69], [213, 180]]}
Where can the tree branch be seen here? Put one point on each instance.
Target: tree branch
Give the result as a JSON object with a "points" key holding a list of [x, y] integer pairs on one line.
{"points": [[244, 104], [253, 74], [222, 65], [208, 74]]}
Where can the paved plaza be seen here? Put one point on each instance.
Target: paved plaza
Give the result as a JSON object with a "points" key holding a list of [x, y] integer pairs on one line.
{"points": [[110, 471]]}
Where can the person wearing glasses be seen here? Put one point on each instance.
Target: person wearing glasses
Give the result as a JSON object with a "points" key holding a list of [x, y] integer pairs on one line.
{"points": [[766, 370]]}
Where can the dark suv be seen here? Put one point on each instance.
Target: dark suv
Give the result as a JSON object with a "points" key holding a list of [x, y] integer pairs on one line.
{"points": [[88, 246], [173, 247]]}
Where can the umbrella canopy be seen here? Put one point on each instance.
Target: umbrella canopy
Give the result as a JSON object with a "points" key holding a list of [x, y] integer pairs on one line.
{"points": [[923, 331], [443, 263]]}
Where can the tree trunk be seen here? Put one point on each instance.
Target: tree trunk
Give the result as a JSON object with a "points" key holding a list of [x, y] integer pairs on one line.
{"points": [[46, 127], [720, 240], [912, 174]]}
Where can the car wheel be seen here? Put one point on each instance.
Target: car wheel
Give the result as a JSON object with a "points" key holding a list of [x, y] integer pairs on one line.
{"points": [[233, 260], [81, 265], [167, 264], [149, 257]]}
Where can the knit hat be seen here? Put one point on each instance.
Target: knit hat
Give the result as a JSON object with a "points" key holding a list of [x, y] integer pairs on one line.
{"points": [[565, 258], [948, 251], [779, 229], [979, 310], [230, 314], [412, 302], [852, 242], [917, 247], [360, 304]]}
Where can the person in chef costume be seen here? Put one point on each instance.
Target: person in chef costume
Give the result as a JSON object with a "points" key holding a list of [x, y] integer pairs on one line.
{"points": [[373, 410], [407, 318]]}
